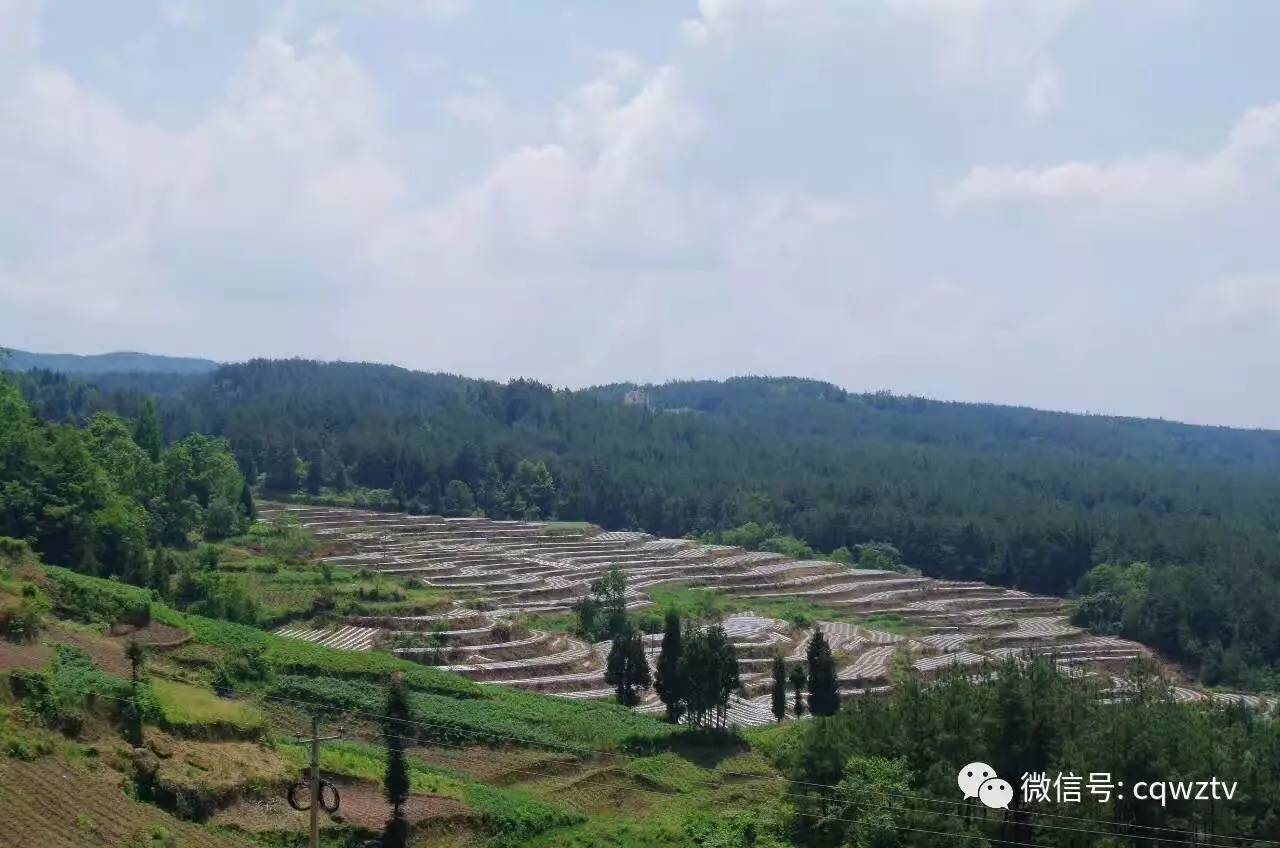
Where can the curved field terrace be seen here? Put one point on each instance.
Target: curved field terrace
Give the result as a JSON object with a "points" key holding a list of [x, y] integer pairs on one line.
{"points": [[506, 574]]}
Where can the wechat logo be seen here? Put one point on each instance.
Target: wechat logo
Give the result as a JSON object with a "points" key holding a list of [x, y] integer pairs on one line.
{"points": [[979, 780]]}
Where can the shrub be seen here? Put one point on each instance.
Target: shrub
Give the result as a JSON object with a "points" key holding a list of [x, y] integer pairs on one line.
{"points": [[21, 613], [283, 537], [91, 599], [246, 665]]}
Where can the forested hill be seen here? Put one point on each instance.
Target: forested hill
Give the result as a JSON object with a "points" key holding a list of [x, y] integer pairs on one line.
{"points": [[1014, 496], [791, 407], [119, 362]]}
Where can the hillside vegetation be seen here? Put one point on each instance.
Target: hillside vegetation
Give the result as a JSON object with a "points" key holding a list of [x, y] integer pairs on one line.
{"points": [[138, 691], [220, 704], [1012, 496]]}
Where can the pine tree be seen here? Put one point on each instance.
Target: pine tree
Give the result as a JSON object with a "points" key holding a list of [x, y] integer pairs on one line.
{"points": [[669, 683], [135, 654], [779, 688], [627, 669], [709, 667], [395, 730], [824, 693], [798, 680], [725, 671], [146, 430]]}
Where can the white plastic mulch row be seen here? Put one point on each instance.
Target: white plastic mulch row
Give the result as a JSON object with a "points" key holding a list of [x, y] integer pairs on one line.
{"points": [[349, 638]]}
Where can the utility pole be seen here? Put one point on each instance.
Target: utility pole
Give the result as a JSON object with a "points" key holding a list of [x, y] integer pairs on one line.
{"points": [[316, 739]]}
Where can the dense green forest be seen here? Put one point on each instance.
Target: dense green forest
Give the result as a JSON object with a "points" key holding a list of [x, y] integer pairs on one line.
{"points": [[866, 776], [110, 499], [1014, 496]]}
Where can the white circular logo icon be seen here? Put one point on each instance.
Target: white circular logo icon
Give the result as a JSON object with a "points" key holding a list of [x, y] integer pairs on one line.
{"points": [[995, 793], [972, 776]]}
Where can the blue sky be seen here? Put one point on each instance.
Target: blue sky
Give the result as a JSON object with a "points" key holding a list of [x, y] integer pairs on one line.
{"points": [[1060, 203]]}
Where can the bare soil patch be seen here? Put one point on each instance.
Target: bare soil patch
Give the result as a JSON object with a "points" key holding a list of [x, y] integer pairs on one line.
{"points": [[53, 804], [107, 653], [155, 634], [363, 806], [30, 656]]}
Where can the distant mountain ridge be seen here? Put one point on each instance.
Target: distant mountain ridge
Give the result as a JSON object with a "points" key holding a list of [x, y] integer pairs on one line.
{"points": [[116, 362]]}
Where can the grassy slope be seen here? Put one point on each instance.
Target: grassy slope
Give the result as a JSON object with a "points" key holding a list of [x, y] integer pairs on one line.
{"points": [[565, 792], [505, 760]]}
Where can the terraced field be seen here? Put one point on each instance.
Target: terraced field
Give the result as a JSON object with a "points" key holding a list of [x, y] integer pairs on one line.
{"points": [[55, 804], [501, 571]]}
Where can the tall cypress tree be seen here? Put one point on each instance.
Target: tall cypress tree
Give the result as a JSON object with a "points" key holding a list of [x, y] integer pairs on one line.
{"points": [[670, 683], [247, 506], [723, 672], [136, 654], [395, 730], [824, 694], [779, 688], [798, 680], [316, 474], [146, 430]]}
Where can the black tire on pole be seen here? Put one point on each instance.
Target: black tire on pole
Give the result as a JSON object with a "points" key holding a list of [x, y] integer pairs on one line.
{"points": [[300, 796], [329, 797]]}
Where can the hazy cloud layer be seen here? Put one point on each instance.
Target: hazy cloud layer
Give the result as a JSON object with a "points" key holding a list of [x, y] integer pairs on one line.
{"points": [[1062, 203]]}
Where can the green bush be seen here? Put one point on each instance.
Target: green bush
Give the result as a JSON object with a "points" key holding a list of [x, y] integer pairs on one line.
{"points": [[21, 611], [244, 666], [96, 600], [283, 537]]}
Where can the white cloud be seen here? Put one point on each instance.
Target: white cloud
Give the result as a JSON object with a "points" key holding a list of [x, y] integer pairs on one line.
{"points": [[275, 191], [596, 192], [1154, 186], [753, 190]]}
